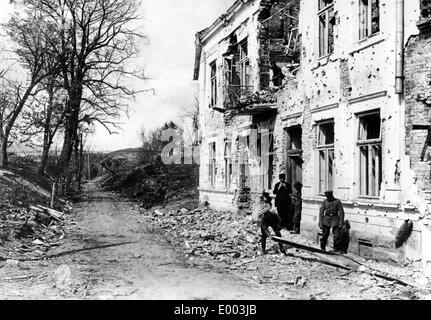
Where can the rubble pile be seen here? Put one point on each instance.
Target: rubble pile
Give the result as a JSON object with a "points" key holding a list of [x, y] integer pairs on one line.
{"points": [[221, 236], [209, 233], [263, 96], [28, 229], [29, 233], [232, 242]]}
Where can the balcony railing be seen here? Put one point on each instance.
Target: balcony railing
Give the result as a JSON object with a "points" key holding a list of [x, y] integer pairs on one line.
{"points": [[236, 95]]}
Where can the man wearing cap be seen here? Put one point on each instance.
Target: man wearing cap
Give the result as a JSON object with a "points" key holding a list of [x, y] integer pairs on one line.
{"points": [[331, 216], [283, 202]]}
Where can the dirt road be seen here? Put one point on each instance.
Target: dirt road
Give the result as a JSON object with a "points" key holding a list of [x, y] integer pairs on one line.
{"points": [[114, 251], [147, 268]]}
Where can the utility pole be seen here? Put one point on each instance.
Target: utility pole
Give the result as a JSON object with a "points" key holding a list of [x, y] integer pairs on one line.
{"points": [[80, 162], [89, 168]]}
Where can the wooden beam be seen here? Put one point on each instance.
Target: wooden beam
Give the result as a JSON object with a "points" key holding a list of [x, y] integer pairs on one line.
{"points": [[341, 261]]}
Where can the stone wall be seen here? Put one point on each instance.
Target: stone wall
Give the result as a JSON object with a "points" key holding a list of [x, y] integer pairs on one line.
{"points": [[418, 108]]}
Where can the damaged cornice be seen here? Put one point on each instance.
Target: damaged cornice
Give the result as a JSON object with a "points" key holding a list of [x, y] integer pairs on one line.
{"points": [[205, 34], [223, 19]]}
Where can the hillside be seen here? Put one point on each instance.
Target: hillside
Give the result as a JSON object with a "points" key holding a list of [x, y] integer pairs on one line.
{"points": [[152, 184], [131, 154]]}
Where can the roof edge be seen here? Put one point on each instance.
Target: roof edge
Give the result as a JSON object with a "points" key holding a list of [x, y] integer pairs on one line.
{"points": [[205, 34]]}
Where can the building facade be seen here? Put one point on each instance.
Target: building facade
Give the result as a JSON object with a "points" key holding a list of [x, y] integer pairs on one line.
{"points": [[320, 90]]}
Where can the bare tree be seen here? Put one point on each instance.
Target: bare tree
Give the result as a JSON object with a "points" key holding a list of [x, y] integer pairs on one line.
{"points": [[96, 42], [35, 56], [40, 124]]}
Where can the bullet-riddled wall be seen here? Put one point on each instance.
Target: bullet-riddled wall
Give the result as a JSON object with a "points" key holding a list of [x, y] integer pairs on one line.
{"points": [[351, 87]]}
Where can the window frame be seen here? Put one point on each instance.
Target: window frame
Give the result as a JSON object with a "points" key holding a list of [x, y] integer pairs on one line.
{"points": [[325, 11], [293, 153], [244, 61], [267, 176], [212, 166], [326, 149], [369, 144], [228, 164], [213, 82], [368, 31]]}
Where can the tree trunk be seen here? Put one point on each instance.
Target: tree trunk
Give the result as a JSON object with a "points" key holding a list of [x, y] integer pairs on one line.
{"points": [[43, 161], [4, 137], [70, 134], [47, 136], [3, 152], [80, 163]]}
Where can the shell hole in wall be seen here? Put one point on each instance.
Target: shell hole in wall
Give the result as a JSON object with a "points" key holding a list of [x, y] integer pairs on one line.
{"points": [[365, 249], [319, 236]]}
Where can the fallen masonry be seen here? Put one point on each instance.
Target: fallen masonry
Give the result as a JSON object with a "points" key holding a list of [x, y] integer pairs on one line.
{"points": [[29, 233], [232, 242]]}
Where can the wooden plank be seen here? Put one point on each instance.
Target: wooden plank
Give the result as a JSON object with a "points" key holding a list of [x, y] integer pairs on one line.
{"points": [[341, 261], [36, 209], [301, 246], [53, 213]]}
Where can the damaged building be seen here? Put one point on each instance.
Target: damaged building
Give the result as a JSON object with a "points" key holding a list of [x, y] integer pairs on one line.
{"points": [[336, 95]]}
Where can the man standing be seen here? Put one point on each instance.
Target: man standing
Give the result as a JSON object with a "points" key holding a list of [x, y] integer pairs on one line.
{"points": [[297, 208], [331, 216], [283, 202]]}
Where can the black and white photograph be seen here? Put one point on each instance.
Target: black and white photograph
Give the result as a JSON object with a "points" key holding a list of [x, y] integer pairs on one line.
{"points": [[194, 151]]}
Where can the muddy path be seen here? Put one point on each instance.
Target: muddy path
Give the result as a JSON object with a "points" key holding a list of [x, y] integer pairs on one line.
{"points": [[143, 265]]}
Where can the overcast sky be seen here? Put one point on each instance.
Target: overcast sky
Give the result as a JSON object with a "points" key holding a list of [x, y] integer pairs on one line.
{"points": [[169, 60], [170, 26]]}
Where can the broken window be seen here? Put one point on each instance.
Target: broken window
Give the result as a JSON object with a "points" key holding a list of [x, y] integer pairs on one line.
{"points": [[237, 72], [326, 138], [369, 18], [370, 149], [244, 167], [326, 27], [212, 164], [244, 61], [213, 67], [294, 155], [228, 164], [265, 150]]}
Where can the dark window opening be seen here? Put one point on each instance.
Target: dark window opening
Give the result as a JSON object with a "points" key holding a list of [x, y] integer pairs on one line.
{"points": [[370, 153], [326, 134], [370, 127], [213, 67], [228, 164]]}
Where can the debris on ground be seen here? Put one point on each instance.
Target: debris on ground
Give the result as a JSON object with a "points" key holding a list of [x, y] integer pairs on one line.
{"points": [[29, 229], [233, 241]]}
